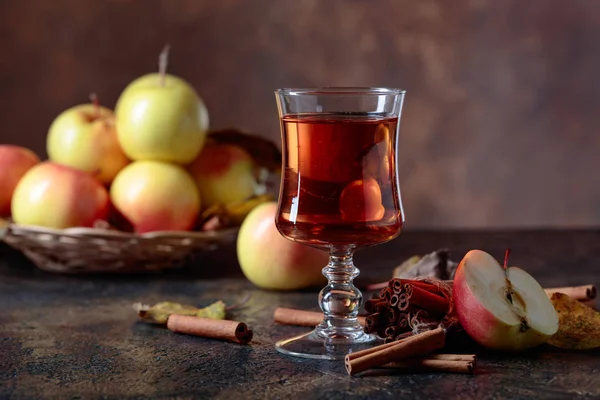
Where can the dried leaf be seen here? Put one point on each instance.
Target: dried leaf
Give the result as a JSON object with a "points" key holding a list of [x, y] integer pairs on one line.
{"points": [[578, 324], [160, 312], [405, 269], [434, 265]]}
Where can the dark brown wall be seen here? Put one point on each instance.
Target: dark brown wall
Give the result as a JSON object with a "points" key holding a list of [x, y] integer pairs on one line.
{"points": [[501, 115]]}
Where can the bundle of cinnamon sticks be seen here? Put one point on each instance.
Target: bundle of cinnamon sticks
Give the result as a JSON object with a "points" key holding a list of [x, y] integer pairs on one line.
{"points": [[404, 306]]}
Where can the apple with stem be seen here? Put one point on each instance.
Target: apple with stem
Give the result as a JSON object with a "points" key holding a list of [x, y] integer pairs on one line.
{"points": [[15, 161], [84, 137], [156, 196], [56, 196], [161, 117], [502, 308]]}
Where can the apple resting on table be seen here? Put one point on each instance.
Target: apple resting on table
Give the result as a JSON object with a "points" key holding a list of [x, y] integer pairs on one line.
{"points": [[156, 196], [15, 161], [224, 174], [84, 137], [271, 261], [161, 117], [501, 308], [57, 196]]}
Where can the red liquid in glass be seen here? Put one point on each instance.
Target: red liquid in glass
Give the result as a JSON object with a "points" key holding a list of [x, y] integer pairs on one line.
{"points": [[340, 185]]}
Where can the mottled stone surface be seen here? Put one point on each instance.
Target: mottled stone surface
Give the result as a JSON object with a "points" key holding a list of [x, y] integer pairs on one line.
{"points": [[500, 120], [77, 336]]}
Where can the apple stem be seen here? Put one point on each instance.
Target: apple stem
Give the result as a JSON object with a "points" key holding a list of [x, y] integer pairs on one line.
{"points": [[96, 103], [506, 255], [509, 291], [163, 61]]}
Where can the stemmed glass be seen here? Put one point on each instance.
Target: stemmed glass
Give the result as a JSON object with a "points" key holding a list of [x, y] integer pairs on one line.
{"points": [[339, 192]]}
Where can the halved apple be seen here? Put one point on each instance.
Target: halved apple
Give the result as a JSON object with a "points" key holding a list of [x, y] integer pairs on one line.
{"points": [[502, 309]]}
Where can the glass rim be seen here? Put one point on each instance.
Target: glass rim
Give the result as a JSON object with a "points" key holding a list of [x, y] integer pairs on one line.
{"points": [[341, 90]]}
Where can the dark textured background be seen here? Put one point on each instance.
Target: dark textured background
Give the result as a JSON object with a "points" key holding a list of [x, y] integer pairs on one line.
{"points": [[499, 127]]}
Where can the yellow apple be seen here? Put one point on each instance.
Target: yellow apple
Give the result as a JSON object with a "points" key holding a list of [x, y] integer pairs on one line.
{"points": [[84, 137], [156, 196], [224, 174], [269, 260], [15, 161], [161, 118], [57, 196]]}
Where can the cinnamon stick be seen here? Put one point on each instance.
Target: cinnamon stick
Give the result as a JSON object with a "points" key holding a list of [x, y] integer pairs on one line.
{"points": [[393, 300], [403, 301], [385, 293], [430, 287], [420, 344], [429, 365], [371, 322], [232, 331], [581, 293], [403, 320], [375, 305], [392, 316], [591, 303], [396, 285], [427, 300], [290, 316], [374, 349], [392, 331]]}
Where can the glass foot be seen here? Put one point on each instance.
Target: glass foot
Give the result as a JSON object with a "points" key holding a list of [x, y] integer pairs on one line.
{"points": [[317, 346]]}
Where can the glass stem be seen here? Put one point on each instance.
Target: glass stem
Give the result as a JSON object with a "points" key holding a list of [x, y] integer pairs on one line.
{"points": [[340, 300]]}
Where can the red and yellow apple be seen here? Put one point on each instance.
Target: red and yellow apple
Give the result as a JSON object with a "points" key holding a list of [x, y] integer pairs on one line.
{"points": [[84, 137], [57, 196], [271, 261], [502, 309], [224, 174], [161, 118], [156, 196], [15, 161]]}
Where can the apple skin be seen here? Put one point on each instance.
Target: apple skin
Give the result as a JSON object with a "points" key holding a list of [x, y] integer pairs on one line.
{"points": [[15, 161], [84, 137], [479, 322], [270, 261], [57, 196], [224, 174], [162, 123], [156, 196]]}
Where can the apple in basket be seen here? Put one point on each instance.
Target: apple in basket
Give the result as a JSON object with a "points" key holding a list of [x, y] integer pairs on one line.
{"points": [[15, 161], [225, 173], [156, 196], [56, 196], [84, 137], [160, 117]]}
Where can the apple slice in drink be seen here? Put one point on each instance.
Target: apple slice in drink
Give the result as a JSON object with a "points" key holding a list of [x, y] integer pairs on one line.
{"points": [[501, 308]]}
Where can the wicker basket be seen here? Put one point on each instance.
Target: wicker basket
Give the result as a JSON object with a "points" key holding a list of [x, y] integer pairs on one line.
{"points": [[86, 250]]}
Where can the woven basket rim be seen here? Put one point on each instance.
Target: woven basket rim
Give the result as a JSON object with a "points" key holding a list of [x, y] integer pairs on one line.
{"points": [[80, 231]]}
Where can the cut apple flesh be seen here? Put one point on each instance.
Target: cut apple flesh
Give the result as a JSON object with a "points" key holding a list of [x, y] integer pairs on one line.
{"points": [[538, 310], [502, 309]]}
